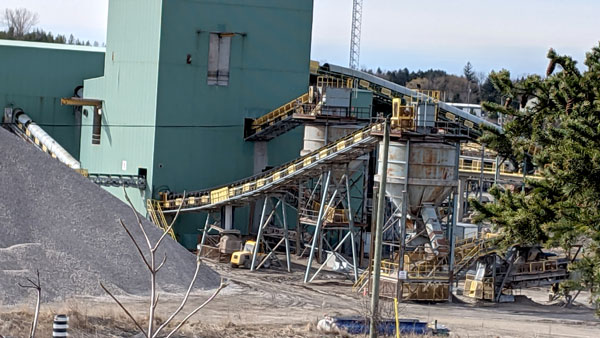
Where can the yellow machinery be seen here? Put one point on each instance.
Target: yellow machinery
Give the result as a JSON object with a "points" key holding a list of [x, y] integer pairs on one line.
{"points": [[243, 259]]}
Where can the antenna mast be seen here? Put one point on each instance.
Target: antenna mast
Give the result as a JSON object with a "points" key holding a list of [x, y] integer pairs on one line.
{"points": [[355, 35]]}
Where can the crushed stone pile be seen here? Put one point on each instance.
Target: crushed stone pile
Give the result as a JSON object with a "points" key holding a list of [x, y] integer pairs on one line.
{"points": [[57, 221]]}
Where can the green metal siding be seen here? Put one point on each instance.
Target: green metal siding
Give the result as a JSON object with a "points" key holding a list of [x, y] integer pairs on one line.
{"points": [[36, 75], [269, 66], [128, 88]]}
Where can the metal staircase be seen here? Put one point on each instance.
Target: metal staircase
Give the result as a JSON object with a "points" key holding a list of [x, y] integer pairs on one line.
{"points": [[158, 217]]}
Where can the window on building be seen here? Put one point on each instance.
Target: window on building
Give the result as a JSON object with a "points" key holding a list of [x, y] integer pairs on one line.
{"points": [[218, 59]]}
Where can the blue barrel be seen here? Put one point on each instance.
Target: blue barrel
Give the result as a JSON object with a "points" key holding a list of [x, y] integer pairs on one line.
{"points": [[358, 325]]}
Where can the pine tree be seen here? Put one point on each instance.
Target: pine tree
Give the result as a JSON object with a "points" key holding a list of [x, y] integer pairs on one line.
{"points": [[468, 72], [556, 127]]}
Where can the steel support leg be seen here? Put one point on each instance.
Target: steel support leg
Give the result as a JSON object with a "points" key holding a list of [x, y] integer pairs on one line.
{"points": [[260, 226], [285, 234], [481, 173], [351, 224], [260, 233], [400, 283], [317, 227], [497, 171], [452, 245], [298, 225], [334, 250]]}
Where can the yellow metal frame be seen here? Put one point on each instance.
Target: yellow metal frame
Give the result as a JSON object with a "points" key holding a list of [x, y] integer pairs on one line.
{"points": [[224, 193], [158, 217], [403, 117], [219, 195], [281, 111], [474, 166]]}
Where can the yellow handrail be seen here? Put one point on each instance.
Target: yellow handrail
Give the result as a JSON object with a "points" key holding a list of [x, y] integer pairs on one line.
{"points": [[281, 111], [158, 217]]}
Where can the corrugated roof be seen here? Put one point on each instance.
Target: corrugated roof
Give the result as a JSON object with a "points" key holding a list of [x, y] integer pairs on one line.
{"points": [[46, 45]]}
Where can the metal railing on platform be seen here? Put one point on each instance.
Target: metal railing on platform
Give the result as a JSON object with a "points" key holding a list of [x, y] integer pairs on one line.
{"points": [[158, 217]]}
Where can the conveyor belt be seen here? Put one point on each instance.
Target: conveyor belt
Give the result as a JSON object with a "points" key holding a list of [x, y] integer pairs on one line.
{"points": [[294, 113], [388, 89], [341, 151]]}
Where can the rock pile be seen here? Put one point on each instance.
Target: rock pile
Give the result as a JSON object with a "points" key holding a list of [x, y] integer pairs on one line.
{"points": [[55, 220]]}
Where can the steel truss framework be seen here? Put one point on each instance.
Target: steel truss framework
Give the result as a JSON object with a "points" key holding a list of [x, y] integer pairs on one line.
{"points": [[333, 188], [269, 219]]}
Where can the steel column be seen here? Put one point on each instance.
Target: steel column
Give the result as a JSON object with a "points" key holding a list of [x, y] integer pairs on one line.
{"points": [[454, 220], [481, 174], [399, 283], [379, 232], [285, 234], [260, 233], [497, 172], [333, 251], [351, 225], [318, 226], [260, 226]]}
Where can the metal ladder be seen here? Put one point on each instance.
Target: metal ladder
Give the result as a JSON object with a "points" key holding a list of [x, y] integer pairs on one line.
{"points": [[158, 217]]}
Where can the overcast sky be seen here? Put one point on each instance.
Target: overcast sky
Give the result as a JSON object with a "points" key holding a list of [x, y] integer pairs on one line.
{"points": [[417, 34]]}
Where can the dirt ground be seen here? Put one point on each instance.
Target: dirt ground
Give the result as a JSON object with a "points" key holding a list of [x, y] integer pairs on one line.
{"points": [[271, 303]]}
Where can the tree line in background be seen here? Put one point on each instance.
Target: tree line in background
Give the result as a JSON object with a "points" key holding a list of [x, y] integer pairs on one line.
{"points": [[470, 87], [20, 24]]}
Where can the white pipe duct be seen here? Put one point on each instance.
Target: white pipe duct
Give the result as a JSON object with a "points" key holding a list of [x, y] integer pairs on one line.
{"points": [[53, 147]]}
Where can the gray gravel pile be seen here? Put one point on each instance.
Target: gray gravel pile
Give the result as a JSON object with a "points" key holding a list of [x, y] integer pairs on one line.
{"points": [[55, 220]]}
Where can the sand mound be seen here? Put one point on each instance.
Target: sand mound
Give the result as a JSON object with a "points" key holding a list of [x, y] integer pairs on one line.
{"points": [[55, 220]]}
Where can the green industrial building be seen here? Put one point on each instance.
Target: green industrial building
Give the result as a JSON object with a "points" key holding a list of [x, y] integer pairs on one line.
{"points": [[174, 85], [179, 79], [35, 76]]}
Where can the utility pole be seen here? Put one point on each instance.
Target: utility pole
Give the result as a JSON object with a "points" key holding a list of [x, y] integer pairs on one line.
{"points": [[355, 33], [379, 230]]}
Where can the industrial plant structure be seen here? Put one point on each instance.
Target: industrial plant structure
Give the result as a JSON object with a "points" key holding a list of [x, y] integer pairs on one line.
{"points": [[214, 110]]}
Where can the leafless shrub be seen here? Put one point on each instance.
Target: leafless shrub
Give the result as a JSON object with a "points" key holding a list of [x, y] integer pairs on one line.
{"points": [[151, 264], [38, 288]]}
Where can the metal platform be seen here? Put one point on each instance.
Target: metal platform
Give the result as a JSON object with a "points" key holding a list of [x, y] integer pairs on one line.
{"points": [[300, 110]]}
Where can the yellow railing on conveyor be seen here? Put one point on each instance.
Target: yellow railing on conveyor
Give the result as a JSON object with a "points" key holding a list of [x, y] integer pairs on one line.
{"points": [[281, 111], [474, 166], [279, 174]]}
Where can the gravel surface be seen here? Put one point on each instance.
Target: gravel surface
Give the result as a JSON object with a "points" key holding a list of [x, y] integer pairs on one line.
{"points": [[55, 220]]}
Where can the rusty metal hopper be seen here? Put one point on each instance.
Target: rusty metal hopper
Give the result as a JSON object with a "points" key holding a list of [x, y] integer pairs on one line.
{"points": [[431, 173]]}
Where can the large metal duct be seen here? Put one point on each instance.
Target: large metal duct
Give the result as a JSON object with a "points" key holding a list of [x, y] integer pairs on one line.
{"points": [[44, 139]]}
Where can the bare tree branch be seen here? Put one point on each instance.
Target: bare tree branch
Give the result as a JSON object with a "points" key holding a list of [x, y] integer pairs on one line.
{"points": [[137, 217], [135, 243], [161, 263], [124, 309], [185, 298], [221, 287], [171, 225], [156, 301], [38, 287], [151, 265]]}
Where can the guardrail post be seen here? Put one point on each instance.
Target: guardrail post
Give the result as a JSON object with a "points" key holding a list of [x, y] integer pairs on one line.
{"points": [[60, 326]]}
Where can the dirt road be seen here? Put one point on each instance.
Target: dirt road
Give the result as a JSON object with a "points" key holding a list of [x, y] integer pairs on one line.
{"points": [[269, 303]]}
